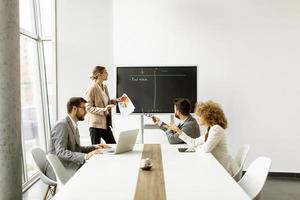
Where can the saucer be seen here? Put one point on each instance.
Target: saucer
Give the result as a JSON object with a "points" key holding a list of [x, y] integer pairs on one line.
{"points": [[146, 167]]}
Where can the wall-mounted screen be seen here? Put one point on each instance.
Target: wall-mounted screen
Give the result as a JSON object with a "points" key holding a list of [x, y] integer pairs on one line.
{"points": [[153, 89]]}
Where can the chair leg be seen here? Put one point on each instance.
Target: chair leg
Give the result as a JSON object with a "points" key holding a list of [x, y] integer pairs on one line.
{"points": [[50, 192], [46, 193], [53, 190]]}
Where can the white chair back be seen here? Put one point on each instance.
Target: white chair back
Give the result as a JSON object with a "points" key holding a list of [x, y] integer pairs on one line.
{"points": [[240, 159], [39, 157], [60, 171], [255, 177]]}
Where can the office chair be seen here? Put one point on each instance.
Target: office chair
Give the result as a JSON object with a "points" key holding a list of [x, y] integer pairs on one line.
{"points": [[60, 171], [39, 157], [255, 177], [240, 160]]}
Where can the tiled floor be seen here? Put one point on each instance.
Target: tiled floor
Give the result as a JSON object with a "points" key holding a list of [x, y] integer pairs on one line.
{"points": [[274, 189], [281, 189], [36, 192]]}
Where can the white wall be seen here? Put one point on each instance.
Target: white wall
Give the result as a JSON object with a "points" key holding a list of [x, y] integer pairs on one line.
{"points": [[84, 40], [248, 58], [246, 52]]}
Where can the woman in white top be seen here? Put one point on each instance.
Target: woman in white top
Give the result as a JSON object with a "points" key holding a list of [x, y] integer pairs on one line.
{"points": [[214, 140]]}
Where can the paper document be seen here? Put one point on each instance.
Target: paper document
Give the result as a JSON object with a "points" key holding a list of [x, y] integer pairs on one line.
{"points": [[126, 107]]}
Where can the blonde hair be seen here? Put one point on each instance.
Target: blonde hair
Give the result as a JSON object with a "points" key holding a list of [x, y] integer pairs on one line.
{"points": [[96, 71], [212, 113]]}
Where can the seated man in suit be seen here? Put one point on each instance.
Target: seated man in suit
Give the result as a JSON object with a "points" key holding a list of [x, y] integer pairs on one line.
{"points": [[65, 141], [188, 124]]}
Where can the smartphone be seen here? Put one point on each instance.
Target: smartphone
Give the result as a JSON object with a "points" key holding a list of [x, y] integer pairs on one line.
{"points": [[182, 149], [151, 116], [148, 114], [186, 150]]}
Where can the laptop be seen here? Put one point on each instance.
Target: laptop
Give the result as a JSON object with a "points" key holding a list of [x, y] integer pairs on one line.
{"points": [[125, 142]]}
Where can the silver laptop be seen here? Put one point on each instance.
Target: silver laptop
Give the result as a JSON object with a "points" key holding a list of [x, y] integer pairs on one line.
{"points": [[125, 143]]}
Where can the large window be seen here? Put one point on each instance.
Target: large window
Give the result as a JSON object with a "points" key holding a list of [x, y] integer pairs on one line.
{"points": [[38, 78]]}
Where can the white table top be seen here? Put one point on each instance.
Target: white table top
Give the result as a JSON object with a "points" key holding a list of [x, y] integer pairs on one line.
{"points": [[187, 176]]}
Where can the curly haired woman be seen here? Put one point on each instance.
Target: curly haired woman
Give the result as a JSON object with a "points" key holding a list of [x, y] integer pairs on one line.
{"points": [[214, 141]]}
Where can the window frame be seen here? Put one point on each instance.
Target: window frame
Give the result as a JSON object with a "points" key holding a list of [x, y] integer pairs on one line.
{"points": [[43, 91]]}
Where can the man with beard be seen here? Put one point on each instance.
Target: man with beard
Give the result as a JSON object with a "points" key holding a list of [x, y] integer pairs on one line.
{"points": [[188, 124], [65, 140]]}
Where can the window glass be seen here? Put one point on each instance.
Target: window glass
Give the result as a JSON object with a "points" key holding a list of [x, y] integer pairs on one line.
{"points": [[32, 124], [46, 17], [27, 15], [50, 76], [36, 57]]}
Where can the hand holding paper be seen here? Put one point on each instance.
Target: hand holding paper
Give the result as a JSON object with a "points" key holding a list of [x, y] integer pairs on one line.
{"points": [[108, 107]]}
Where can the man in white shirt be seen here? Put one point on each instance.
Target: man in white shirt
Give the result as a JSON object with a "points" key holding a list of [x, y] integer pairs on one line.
{"points": [[65, 139]]}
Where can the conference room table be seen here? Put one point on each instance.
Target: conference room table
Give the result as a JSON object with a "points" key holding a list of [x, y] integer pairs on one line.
{"points": [[184, 175]]}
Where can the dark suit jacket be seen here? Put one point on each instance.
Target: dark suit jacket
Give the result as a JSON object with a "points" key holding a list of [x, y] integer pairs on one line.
{"points": [[190, 127], [65, 143]]}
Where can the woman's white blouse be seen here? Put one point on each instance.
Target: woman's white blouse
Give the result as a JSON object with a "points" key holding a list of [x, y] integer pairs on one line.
{"points": [[216, 144]]}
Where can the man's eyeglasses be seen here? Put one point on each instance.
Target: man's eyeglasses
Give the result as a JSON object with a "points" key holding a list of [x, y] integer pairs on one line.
{"points": [[83, 107]]}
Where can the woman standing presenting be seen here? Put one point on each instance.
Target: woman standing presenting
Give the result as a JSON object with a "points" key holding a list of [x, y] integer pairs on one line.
{"points": [[214, 141], [99, 108]]}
